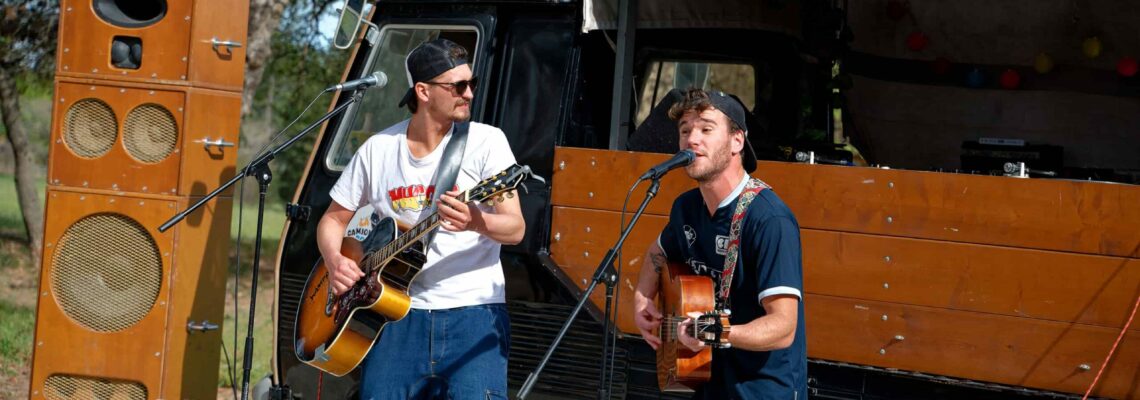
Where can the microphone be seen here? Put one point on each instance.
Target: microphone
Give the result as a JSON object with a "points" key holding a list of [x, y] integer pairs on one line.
{"points": [[376, 79], [681, 159], [812, 158]]}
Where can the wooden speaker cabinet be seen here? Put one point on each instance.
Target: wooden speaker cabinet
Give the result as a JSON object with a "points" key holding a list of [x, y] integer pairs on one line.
{"points": [[118, 298], [145, 122]]}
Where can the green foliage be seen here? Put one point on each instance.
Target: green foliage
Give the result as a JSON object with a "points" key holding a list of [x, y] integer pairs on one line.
{"points": [[302, 65]]}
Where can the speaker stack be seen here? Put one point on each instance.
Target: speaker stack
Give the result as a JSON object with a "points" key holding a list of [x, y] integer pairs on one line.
{"points": [[146, 114]]}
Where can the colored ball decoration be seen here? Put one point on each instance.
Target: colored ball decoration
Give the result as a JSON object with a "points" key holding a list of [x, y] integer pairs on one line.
{"points": [[1126, 67], [976, 78], [1043, 63], [897, 9], [917, 41], [940, 66], [1091, 47], [1010, 79]]}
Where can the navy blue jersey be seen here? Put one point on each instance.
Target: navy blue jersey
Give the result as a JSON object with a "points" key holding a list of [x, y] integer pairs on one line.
{"points": [[769, 263]]}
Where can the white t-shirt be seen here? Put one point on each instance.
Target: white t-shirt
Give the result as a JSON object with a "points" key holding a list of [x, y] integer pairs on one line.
{"points": [[462, 268]]}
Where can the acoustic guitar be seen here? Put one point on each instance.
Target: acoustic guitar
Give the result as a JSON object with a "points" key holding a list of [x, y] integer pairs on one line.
{"points": [[680, 369], [334, 332]]}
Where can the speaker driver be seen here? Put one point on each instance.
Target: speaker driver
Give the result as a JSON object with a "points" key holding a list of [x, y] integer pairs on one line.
{"points": [[150, 133], [67, 387], [106, 272], [89, 128], [130, 13]]}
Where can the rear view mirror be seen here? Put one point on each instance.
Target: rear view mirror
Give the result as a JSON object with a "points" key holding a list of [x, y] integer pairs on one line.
{"points": [[350, 18]]}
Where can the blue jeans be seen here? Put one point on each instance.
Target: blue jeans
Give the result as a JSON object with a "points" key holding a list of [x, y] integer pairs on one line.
{"points": [[458, 353]]}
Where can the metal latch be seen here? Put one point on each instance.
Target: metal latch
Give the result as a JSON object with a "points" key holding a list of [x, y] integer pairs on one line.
{"points": [[297, 212], [229, 44], [204, 326]]}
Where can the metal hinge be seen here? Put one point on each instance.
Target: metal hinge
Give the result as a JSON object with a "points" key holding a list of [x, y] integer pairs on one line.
{"points": [[297, 212]]}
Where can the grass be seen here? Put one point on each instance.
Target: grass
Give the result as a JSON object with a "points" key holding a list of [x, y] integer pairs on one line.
{"points": [[15, 337]]}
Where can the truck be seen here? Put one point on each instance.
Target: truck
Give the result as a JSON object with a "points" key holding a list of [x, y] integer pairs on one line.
{"points": [[968, 219]]}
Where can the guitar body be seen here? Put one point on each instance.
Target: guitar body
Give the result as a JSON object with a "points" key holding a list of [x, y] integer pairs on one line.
{"points": [[681, 292], [334, 333]]}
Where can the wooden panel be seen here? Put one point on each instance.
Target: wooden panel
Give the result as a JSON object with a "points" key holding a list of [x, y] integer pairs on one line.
{"points": [[582, 238], [226, 20], [1066, 287], [85, 44], [198, 286], [599, 179], [213, 115], [117, 170], [1073, 216], [979, 346]]}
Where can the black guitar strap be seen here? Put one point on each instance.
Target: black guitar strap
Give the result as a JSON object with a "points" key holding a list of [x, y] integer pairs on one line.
{"points": [[448, 170]]}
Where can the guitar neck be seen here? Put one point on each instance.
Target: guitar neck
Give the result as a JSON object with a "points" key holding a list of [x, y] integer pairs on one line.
{"points": [[381, 256]]}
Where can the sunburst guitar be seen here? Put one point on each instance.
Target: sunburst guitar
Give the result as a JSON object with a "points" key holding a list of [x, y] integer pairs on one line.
{"points": [[334, 332], [680, 369]]}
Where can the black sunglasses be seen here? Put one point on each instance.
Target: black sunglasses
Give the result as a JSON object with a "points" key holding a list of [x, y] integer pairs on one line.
{"points": [[460, 87]]}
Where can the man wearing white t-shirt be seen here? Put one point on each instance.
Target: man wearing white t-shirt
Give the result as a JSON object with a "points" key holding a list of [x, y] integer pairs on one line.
{"points": [[454, 342]]}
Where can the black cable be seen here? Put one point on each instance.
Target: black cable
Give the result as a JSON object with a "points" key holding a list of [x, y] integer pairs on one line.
{"points": [[617, 296], [230, 368]]}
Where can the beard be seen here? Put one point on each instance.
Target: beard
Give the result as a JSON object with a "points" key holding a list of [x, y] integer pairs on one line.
{"points": [[717, 162], [460, 114]]}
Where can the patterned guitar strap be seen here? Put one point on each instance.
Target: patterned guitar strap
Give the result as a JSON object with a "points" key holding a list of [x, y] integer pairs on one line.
{"points": [[751, 189]]}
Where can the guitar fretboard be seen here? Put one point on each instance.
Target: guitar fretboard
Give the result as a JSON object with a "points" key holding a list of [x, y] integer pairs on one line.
{"points": [[379, 258]]}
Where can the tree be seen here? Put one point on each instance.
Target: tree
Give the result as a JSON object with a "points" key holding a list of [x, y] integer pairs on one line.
{"points": [[27, 50]]}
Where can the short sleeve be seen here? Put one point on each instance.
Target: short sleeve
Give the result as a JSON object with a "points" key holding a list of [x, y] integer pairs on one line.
{"points": [[351, 188], [779, 260], [497, 155]]}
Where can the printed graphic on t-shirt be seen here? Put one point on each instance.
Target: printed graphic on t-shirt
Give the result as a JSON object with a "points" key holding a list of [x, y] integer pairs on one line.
{"points": [[690, 235], [721, 244], [700, 268], [411, 197]]}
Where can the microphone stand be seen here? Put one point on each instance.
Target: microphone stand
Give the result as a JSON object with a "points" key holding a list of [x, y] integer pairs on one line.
{"points": [[259, 169], [604, 274]]}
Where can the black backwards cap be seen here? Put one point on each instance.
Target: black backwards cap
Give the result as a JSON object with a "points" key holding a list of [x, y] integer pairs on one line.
{"points": [[429, 60], [731, 106]]}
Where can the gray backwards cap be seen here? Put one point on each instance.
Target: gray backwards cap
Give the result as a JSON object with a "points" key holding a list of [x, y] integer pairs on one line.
{"points": [[429, 60]]}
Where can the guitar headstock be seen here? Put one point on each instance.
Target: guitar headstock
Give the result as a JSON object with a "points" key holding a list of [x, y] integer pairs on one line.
{"points": [[501, 184], [713, 328]]}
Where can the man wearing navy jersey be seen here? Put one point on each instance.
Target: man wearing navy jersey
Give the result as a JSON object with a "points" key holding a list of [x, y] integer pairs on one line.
{"points": [[768, 354]]}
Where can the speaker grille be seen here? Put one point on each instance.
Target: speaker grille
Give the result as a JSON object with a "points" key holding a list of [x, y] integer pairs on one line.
{"points": [[106, 272], [89, 128], [150, 133], [66, 387]]}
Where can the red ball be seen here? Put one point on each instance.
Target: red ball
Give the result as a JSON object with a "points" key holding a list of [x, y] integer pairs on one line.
{"points": [[1126, 66], [940, 66], [917, 41], [1010, 79], [897, 9]]}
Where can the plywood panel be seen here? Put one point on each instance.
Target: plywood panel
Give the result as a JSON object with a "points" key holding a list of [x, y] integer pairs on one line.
{"points": [[986, 347], [581, 239], [1072, 216], [1064, 287]]}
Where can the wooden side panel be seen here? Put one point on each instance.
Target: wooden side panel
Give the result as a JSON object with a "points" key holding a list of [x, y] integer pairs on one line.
{"points": [[1009, 350], [210, 115], [1047, 285], [1072, 216], [222, 67], [197, 279], [584, 236]]}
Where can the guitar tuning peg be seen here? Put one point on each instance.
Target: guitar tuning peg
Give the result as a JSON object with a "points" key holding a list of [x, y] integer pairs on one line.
{"points": [[491, 203], [510, 195]]}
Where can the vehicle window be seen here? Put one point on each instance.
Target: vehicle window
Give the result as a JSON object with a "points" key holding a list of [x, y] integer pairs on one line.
{"points": [[377, 109], [663, 76]]}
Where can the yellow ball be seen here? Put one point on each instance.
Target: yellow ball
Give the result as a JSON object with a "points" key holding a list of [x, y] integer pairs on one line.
{"points": [[1091, 47], [1043, 63]]}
